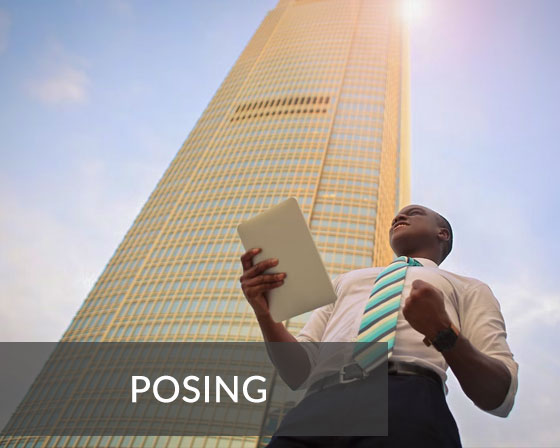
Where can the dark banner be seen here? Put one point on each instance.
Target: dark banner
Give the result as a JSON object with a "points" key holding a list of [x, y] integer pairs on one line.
{"points": [[188, 389]]}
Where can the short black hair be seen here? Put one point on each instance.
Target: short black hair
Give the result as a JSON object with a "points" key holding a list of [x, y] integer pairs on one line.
{"points": [[449, 245]]}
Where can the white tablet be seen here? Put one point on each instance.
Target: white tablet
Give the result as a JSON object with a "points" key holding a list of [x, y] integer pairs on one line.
{"points": [[281, 232]]}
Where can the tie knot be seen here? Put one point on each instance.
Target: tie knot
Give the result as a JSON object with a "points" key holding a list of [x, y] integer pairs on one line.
{"points": [[408, 260]]}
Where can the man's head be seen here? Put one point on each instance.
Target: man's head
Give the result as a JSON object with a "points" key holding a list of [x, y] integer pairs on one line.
{"points": [[418, 231]]}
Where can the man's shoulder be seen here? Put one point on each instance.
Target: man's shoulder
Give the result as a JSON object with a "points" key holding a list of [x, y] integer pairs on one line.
{"points": [[467, 281], [469, 290]]}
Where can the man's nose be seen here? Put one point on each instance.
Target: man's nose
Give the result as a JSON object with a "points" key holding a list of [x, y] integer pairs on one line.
{"points": [[396, 218]]}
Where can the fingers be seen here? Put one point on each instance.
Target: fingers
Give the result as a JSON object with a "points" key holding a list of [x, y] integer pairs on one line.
{"points": [[255, 284], [418, 284], [258, 268], [247, 257], [265, 278], [262, 266], [259, 289]]}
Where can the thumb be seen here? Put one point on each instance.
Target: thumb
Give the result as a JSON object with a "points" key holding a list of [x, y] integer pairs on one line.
{"points": [[419, 283]]}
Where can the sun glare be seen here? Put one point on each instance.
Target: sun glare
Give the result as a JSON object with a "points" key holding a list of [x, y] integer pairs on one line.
{"points": [[413, 10]]}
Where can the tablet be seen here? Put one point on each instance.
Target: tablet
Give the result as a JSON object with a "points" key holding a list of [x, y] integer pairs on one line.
{"points": [[281, 232]]}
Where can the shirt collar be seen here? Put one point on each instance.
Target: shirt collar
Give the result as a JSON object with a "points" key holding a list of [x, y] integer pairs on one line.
{"points": [[427, 262]]}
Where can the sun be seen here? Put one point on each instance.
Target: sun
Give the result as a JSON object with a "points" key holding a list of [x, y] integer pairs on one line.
{"points": [[413, 10]]}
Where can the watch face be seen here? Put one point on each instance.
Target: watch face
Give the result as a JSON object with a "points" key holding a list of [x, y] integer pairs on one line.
{"points": [[445, 339]]}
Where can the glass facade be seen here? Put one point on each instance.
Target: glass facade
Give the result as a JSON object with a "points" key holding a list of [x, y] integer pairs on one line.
{"points": [[316, 107]]}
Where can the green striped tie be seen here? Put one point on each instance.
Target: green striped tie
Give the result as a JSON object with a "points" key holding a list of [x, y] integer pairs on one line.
{"points": [[379, 322]]}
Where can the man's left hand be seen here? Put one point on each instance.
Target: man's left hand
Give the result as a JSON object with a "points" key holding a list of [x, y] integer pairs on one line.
{"points": [[424, 309]]}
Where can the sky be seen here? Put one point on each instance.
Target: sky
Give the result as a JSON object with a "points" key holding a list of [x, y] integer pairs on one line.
{"points": [[96, 98]]}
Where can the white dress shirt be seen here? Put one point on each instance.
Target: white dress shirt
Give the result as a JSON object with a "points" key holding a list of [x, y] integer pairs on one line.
{"points": [[469, 302]]}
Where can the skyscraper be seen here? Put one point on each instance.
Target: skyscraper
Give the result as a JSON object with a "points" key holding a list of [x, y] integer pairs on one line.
{"points": [[316, 107]]}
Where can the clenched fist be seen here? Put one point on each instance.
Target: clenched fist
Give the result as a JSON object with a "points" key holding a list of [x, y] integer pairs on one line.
{"points": [[424, 309]]}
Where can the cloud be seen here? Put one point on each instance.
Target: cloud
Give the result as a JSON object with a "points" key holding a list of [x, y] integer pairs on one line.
{"points": [[50, 257], [60, 76], [67, 85], [504, 240], [53, 251], [5, 23], [532, 421], [122, 7], [528, 306], [40, 290]]}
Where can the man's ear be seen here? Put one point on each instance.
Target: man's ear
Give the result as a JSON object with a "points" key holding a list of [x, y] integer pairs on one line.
{"points": [[443, 234]]}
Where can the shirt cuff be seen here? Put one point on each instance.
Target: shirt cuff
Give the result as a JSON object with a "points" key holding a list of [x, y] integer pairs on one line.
{"points": [[312, 349], [505, 408]]}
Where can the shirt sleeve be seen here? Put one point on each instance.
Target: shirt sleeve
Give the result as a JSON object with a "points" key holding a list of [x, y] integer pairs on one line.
{"points": [[483, 325], [312, 332]]}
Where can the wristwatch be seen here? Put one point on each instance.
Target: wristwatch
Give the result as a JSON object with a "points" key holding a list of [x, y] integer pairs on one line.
{"points": [[445, 339]]}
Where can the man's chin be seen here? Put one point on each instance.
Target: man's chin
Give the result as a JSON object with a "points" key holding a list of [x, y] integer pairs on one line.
{"points": [[400, 246]]}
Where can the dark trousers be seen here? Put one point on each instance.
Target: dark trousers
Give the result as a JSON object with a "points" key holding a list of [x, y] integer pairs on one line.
{"points": [[418, 416]]}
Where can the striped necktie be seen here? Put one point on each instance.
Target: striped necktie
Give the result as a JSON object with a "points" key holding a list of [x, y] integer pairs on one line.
{"points": [[379, 322]]}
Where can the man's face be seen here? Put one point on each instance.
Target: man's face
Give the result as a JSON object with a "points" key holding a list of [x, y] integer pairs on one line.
{"points": [[413, 228]]}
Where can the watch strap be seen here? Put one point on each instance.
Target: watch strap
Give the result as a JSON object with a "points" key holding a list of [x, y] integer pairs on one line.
{"points": [[427, 342]]}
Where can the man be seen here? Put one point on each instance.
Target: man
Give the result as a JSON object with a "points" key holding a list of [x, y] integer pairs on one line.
{"points": [[443, 320]]}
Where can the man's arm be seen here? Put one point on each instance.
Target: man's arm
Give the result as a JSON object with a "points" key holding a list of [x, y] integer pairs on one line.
{"points": [[485, 379], [292, 360]]}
